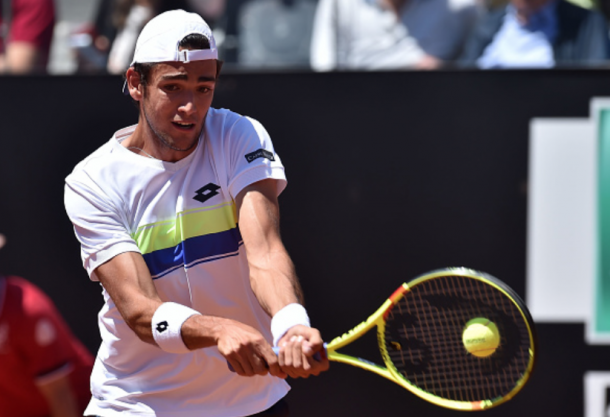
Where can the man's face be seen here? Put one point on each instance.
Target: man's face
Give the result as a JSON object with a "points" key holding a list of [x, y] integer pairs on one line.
{"points": [[176, 100]]}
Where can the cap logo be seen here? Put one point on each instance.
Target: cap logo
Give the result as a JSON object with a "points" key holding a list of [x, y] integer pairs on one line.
{"points": [[184, 56], [188, 55]]}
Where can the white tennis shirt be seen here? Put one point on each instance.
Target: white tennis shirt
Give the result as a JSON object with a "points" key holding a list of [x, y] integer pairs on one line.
{"points": [[181, 217]]}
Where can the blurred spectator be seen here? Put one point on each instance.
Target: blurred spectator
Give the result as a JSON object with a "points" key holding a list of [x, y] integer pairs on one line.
{"points": [[130, 18], [108, 45], [44, 369], [267, 33], [538, 34], [390, 34], [26, 31]]}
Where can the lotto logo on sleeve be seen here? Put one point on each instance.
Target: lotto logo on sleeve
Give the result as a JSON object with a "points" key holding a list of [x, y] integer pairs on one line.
{"points": [[161, 327], [261, 153]]}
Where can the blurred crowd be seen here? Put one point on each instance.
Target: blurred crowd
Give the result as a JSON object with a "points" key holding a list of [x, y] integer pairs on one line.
{"points": [[326, 35]]}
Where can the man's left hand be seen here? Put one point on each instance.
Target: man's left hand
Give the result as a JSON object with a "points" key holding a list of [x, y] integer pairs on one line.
{"points": [[297, 348]]}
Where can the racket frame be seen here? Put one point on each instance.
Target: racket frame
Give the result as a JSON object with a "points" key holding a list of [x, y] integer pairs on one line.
{"points": [[377, 319]]}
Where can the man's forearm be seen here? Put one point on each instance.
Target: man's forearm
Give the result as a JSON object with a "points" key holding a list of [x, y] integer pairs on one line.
{"points": [[274, 281], [201, 331], [272, 274]]}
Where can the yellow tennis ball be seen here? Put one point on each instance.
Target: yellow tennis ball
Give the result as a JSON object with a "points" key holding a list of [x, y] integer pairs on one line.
{"points": [[481, 337]]}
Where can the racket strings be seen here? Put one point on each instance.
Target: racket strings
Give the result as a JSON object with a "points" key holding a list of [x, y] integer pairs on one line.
{"points": [[423, 336]]}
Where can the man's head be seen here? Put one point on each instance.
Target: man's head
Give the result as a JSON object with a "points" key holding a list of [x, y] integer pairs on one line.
{"points": [[174, 36], [172, 77]]}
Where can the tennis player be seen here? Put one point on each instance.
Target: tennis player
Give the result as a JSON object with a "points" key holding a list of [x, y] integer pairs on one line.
{"points": [[44, 369], [178, 217]]}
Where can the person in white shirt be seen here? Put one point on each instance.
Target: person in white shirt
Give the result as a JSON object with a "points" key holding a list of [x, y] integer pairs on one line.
{"points": [[390, 34], [538, 34], [177, 218]]}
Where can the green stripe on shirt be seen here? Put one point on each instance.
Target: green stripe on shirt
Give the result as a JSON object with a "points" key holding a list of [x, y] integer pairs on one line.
{"points": [[188, 224]]}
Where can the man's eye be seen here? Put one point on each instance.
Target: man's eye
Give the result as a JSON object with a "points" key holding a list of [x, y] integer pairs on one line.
{"points": [[171, 87], [204, 89]]}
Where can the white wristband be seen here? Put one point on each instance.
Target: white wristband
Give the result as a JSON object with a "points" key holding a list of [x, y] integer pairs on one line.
{"points": [[166, 324], [287, 317]]}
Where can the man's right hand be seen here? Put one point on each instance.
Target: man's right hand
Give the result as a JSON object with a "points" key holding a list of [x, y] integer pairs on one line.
{"points": [[245, 348]]}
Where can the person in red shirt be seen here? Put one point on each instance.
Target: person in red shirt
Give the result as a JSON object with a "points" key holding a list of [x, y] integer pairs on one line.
{"points": [[25, 36], [44, 369]]}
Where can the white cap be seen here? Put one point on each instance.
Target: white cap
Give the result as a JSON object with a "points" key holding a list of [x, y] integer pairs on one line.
{"points": [[158, 41]]}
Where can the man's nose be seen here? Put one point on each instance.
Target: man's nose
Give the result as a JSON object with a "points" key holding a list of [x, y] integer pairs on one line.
{"points": [[188, 106]]}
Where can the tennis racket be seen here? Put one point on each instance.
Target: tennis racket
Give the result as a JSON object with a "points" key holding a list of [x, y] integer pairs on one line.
{"points": [[455, 337]]}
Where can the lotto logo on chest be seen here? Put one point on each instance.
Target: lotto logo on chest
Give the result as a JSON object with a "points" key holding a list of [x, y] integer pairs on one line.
{"points": [[206, 192]]}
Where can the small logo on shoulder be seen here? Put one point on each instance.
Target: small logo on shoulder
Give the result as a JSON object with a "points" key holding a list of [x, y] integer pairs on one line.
{"points": [[261, 153], [206, 192], [161, 327]]}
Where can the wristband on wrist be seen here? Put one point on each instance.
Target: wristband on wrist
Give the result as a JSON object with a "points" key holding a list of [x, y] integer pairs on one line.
{"points": [[166, 324], [287, 317]]}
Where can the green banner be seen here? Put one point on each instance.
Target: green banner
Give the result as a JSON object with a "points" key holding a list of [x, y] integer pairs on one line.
{"points": [[602, 293]]}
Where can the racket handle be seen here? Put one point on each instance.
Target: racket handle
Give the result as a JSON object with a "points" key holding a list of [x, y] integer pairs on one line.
{"points": [[317, 356]]}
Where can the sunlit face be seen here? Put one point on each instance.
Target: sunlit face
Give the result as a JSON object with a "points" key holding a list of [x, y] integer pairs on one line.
{"points": [[176, 100]]}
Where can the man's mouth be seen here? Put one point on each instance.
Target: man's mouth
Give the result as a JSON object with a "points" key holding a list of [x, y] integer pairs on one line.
{"points": [[184, 125]]}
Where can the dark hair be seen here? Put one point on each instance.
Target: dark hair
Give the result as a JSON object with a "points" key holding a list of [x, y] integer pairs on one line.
{"points": [[194, 41]]}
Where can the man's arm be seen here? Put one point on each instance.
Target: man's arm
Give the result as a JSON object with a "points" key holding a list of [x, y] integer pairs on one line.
{"points": [[58, 393], [128, 282], [273, 277], [272, 273]]}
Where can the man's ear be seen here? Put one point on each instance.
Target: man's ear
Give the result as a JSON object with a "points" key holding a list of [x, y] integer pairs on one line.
{"points": [[134, 84]]}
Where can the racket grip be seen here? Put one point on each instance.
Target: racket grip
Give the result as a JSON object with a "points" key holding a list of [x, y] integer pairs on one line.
{"points": [[317, 356]]}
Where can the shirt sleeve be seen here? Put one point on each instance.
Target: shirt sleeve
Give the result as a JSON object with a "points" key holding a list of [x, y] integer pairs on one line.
{"points": [[99, 226], [42, 337], [251, 156], [32, 21]]}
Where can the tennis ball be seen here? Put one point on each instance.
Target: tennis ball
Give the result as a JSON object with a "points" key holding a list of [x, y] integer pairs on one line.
{"points": [[481, 337]]}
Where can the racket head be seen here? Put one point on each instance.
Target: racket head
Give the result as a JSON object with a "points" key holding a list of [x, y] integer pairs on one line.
{"points": [[420, 339]]}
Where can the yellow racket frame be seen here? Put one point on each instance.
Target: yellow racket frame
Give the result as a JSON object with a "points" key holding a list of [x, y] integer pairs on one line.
{"points": [[377, 319]]}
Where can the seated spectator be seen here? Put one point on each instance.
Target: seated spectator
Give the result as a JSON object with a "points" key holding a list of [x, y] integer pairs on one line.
{"points": [[538, 34], [44, 369], [25, 42], [390, 34]]}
